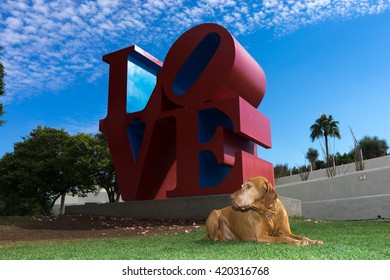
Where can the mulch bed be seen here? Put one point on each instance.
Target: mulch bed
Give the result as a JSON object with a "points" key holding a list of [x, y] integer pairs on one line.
{"points": [[68, 227]]}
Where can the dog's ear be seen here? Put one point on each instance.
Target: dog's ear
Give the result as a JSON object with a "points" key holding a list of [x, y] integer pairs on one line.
{"points": [[270, 194]]}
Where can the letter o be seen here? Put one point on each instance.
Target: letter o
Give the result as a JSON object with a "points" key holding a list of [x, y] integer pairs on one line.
{"points": [[207, 63]]}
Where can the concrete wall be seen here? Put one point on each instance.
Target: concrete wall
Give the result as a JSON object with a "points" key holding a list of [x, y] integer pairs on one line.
{"points": [[93, 198], [353, 196], [340, 170], [190, 208]]}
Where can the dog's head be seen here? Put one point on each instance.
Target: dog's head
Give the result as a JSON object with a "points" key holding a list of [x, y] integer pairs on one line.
{"points": [[256, 192]]}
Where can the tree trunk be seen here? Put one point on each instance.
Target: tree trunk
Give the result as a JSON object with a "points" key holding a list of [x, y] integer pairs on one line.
{"points": [[110, 194], [43, 203], [326, 150], [62, 206], [113, 194]]}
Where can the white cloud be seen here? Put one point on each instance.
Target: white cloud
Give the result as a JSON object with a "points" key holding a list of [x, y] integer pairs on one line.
{"points": [[48, 44], [14, 23]]}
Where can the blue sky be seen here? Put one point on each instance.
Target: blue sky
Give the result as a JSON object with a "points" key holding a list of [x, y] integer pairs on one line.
{"points": [[322, 56]]}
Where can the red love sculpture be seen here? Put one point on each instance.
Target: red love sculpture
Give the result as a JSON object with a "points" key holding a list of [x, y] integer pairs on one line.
{"points": [[199, 131]]}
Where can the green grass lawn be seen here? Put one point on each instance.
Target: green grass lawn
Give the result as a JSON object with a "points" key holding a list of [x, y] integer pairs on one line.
{"points": [[342, 241]]}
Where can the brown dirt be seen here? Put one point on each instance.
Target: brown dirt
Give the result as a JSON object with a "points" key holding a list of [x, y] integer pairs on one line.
{"points": [[67, 227]]}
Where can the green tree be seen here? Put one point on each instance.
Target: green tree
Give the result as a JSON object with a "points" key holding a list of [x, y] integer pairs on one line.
{"points": [[2, 88], [41, 163], [104, 171], [373, 147], [325, 126], [320, 164], [14, 200], [78, 167], [294, 170], [48, 164], [281, 170], [345, 158], [312, 156]]}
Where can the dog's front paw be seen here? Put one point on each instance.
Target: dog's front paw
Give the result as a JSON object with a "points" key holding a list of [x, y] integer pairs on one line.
{"points": [[317, 242], [303, 242]]}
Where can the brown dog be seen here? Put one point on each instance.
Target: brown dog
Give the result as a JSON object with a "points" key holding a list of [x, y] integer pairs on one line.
{"points": [[257, 214]]}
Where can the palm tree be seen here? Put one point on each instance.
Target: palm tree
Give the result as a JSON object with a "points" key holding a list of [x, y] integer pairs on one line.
{"points": [[325, 127], [312, 156]]}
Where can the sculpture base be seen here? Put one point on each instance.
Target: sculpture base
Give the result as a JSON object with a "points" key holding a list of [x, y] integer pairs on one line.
{"points": [[182, 208]]}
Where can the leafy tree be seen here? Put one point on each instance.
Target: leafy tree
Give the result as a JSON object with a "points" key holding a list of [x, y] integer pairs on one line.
{"points": [[294, 170], [41, 164], [281, 170], [104, 171], [320, 164], [373, 147], [13, 199], [312, 156], [78, 166], [325, 126], [345, 158], [2, 88], [49, 163]]}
